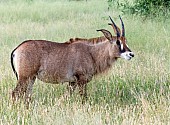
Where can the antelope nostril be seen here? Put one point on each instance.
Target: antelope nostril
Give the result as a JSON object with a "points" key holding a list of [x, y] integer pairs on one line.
{"points": [[131, 54]]}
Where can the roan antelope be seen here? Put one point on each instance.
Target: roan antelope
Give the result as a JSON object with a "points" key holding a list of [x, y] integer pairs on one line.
{"points": [[76, 61]]}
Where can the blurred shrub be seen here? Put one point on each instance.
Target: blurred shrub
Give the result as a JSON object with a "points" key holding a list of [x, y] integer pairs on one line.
{"points": [[147, 8]]}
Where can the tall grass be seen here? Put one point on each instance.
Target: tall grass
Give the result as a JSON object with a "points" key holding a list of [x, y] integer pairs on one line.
{"points": [[133, 92]]}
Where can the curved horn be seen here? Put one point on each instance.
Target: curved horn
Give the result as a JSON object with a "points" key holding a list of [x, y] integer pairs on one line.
{"points": [[116, 28], [123, 28]]}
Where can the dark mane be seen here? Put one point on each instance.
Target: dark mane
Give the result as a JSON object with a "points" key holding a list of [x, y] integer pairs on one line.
{"points": [[91, 41]]}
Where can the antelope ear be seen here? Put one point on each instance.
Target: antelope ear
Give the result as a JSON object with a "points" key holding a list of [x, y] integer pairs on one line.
{"points": [[107, 34]]}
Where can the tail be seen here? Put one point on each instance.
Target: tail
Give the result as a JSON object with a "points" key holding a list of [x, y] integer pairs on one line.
{"points": [[12, 64]]}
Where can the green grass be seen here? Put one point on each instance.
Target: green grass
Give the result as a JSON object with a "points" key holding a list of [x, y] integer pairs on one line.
{"points": [[133, 92]]}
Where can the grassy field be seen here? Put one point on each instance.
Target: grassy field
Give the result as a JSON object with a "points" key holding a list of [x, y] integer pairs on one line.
{"points": [[133, 92]]}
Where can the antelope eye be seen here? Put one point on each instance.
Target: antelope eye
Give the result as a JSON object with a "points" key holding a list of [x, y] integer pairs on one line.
{"points": [[121, 48], [118, 42]]}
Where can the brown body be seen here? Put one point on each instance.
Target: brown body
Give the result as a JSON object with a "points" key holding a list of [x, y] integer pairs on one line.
{"points": [[59, 62], [75, 62]]}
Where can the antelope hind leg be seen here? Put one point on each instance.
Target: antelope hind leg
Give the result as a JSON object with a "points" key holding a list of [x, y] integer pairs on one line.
{"points": [[23, 89]]}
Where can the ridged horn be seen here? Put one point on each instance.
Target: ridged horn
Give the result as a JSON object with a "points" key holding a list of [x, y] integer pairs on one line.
{"points": [[118, 33], [123, 28]]}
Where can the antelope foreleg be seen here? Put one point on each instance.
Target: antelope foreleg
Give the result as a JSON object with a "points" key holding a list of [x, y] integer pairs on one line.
{"points": [[71, 87], [83, 90]]}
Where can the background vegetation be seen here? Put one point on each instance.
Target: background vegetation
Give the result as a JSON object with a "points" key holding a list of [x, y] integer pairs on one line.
{"points": [[146, 8], [133, 92]]}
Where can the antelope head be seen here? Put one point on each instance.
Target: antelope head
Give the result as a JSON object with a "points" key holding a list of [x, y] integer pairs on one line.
{"points": [[119, 43]]}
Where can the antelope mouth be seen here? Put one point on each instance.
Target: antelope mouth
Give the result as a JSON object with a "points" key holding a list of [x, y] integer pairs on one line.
{"points": [[127, 55]]}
